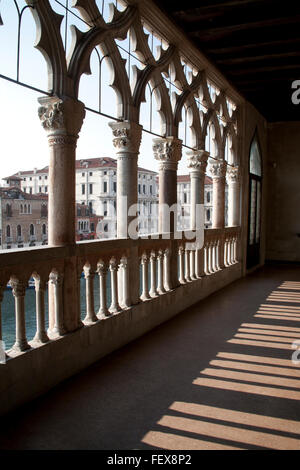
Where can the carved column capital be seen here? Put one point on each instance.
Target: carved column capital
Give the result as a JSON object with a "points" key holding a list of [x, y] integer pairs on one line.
{"points": [[18, 287], [233, 174], [197, 160], [61, 118], [218, 168], [56, 278], [168, 152], [126, 136], [88, 272]]}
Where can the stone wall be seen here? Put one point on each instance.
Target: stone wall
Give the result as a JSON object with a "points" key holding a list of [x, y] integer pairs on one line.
{"points": [[283, 199]]}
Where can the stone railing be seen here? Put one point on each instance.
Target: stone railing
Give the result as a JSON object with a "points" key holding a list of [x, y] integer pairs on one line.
{"points": [[130, 272]]}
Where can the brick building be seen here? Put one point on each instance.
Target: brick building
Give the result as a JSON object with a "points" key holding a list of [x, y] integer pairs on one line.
{"points": [[23, 218]]}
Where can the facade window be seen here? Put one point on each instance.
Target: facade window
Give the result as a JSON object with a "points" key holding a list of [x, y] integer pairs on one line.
{"points": [[91, 207], [91, 189], [105, 172], [24, 179], [30, 179], [139, 189], [82, 174], [46, 177], [8, 230], [29, 209], [208, 215], [21, 208], [208, 197], [8, 210], [150, 188], [24, 190], [105, 228], [105, 208], [115, 186], [30, 190], [92, 227], [44, 211], [25, 209], [31, 229], [91, 173], [44, 229], [144, 188], [40, 189], [46, 189], [19, 231], [184, 198], [40, 177], [105, 187], [83, 189]]}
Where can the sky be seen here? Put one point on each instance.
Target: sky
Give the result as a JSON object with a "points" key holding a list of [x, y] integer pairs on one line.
{"points": [[23, 142]]}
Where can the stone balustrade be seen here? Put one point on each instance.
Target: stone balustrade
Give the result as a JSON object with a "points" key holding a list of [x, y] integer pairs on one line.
{"points": [[112, 261]]}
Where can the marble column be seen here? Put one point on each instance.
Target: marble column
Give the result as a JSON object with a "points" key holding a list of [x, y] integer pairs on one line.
{"points": [[126, 140], [233, 181], [218, 172], [62, 119], [167, 151], [197, 163]]}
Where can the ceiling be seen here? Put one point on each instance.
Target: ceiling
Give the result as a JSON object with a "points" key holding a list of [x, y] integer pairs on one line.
{"points": [[254, 43]]}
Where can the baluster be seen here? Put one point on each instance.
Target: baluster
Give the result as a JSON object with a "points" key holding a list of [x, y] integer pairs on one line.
{"points": [[235, 250], [206, 259], [160, 280], [125, 282], [18, 290], [218, 255], [225, 252], [212, 256], [187, 265], [89, 294], [181, 265], [114, 306], [209, 263], [230, 252], [144, 262], [153, 280], [192, 265], [56, 279], [167, 280], [40, 287], [102, 273]]}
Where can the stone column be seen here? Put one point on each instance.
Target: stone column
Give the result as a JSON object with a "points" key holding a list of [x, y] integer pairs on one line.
{"points": [[168, 152], [127, 139], [218, 171], [233, 182], [62, 119], [197, 162]]}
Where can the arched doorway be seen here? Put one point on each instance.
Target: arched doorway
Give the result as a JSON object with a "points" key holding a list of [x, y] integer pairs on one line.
{"points": [[254, 214]]}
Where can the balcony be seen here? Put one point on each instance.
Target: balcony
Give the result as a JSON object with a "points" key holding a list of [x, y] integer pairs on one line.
{"points": [[179, 276], [218, 377]]}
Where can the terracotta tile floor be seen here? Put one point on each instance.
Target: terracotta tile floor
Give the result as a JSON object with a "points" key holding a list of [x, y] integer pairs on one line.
{"points": [[218, 376]]}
